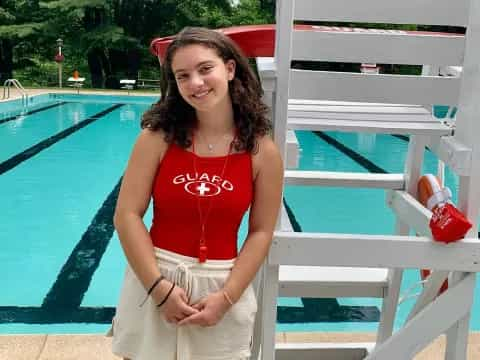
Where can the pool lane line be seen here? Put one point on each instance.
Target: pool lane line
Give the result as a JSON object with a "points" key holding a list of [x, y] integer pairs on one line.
{"points": [[322, 309], [352, 154], [38, 315], [76, 274], [42, 145], [15, 117], [401, 137]]}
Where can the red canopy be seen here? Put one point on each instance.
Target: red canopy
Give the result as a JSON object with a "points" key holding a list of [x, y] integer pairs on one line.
{"points": [[259, 40], [254, 40]]}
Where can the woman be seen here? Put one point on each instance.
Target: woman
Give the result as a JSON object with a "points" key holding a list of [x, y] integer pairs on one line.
{"points": [[204, 156]]}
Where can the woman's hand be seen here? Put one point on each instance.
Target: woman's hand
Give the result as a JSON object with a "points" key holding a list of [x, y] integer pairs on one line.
{"points": [[211, 310], [176, 307]]}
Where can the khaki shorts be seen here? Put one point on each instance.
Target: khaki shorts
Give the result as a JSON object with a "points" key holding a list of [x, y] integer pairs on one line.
{"points": [[142, 333]]}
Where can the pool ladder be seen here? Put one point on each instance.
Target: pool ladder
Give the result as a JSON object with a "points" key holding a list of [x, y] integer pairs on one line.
{"points": [[14, 82]]}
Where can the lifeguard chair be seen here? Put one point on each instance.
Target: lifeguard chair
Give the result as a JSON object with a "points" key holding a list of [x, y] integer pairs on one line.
{"points": [[307, 264], [76, 81]]}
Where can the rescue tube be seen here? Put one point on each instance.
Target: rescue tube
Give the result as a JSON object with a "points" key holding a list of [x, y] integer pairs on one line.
{"points": [[428, 185], [447, 224]]}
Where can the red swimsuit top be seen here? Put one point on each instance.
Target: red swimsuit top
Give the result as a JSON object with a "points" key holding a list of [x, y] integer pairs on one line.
{"points": [[178, 191]]}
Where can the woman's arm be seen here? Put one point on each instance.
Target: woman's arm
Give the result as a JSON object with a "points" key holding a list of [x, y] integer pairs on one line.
{"points": [[268, 174], [133, 200], [264, 211]]}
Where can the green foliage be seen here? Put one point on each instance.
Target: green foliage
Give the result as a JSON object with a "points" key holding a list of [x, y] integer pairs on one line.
{"points": [[19, 31], [39, 73], [6, 17], [108, 36], [251, 12], [108, 29], [67, 5]]}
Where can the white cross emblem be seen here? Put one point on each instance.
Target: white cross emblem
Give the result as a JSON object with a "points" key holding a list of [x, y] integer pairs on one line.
{"points": [[202, 189]]}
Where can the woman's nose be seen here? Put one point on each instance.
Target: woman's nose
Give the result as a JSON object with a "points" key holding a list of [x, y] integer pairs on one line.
{"points": [[196, 81]]}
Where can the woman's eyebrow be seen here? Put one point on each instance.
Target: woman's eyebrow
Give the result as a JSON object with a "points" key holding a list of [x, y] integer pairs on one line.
{"points": [[197, 66]]}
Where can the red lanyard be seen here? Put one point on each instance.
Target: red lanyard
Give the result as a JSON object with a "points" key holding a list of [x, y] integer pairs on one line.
{"points": [[202, 245]]}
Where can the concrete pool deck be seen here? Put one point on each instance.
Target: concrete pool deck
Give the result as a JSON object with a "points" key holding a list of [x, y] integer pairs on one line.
{"points": [[14, 94], [97, 347]]}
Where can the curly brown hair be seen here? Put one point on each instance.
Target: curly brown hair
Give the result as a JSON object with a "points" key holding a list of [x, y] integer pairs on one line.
{"points": [[176, 118]]}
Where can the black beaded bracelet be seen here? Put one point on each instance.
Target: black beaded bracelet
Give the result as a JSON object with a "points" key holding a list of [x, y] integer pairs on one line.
{"points": [[166, 296], [155, 283]]}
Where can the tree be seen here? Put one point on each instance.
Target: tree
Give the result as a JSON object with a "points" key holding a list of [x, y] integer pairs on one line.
{"points": [[107, 38], [17, 24]]}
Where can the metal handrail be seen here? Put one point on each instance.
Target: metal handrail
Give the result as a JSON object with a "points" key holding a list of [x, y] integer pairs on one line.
{"points": [[8, 84]]}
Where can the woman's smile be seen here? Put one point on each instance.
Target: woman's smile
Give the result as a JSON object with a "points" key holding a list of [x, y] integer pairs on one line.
{"points": [[202, 94]]}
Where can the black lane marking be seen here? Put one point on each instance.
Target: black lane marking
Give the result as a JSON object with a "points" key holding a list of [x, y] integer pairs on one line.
{"points": [[329, 310], [35, 149], [320, 311], [15, 117], [38, 315], [291, 217], [74, 279], [363, 161], [324, 309], [401, 137], [359, 159]]}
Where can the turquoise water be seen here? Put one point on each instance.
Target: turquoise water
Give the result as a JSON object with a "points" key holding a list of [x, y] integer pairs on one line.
{"points": [[57, 243]]}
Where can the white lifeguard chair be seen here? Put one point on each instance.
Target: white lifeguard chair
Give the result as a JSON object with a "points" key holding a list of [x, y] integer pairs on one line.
{"points": [[76, 82], [354, 265], [127, 84]]}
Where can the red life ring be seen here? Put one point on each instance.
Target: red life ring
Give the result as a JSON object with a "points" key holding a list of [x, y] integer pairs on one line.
{"points": [[428, 185]]}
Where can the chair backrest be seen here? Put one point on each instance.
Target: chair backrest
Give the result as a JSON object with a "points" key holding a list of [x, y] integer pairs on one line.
{"points": [[336, 44]]}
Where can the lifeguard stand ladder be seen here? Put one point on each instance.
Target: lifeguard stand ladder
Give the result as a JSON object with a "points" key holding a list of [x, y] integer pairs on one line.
{"points": [[321, 100]]}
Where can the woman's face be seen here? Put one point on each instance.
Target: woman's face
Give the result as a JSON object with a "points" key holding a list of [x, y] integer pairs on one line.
{"points": [[202, 76]]}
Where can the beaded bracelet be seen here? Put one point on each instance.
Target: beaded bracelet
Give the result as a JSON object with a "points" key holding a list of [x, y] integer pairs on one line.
{"points": [[155, 283], [166, 296]]}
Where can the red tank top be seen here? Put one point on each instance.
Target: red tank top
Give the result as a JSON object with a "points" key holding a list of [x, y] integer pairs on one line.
{"points": [[176, 221]]}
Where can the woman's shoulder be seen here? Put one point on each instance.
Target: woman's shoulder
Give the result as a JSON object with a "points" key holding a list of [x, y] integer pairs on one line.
{"points": [[266, 147], [266, 154], [152, 141]]}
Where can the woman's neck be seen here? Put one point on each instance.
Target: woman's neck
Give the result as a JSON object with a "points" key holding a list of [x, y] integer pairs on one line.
{"points": [[217, 122]]}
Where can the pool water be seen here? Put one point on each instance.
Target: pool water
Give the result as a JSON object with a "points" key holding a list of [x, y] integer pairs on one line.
{"points": [[61, 162]]}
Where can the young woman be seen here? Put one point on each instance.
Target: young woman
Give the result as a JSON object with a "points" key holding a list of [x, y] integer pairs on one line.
{"points": [[205, 156]]}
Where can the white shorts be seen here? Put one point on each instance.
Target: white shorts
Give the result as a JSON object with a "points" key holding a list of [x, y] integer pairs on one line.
{"points": [[142, 333]]}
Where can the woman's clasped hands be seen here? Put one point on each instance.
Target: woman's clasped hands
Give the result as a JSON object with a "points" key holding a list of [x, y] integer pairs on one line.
{"points": [[208, 311]]}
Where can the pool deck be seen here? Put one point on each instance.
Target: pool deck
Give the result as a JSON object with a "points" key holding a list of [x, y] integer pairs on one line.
{"points": [[97, 347], [14, 94]]}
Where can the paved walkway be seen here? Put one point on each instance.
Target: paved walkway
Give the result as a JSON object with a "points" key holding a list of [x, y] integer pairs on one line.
{"points": [[14, 94], [97, 347]]}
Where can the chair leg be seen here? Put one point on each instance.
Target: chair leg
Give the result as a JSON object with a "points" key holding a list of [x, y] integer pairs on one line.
{"points": [[390, 300], [457, 335], [257, 330], [389, 305], [269, 311]]}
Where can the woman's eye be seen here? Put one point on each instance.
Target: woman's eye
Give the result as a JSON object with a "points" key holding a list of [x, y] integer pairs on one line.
{"points": [[206, 69], [181, 77]]}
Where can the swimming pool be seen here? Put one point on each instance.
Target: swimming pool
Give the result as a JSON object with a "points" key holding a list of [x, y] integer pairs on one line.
{"points": [[61, 162]]}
